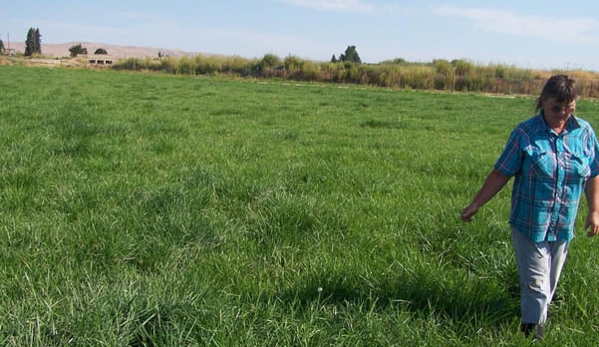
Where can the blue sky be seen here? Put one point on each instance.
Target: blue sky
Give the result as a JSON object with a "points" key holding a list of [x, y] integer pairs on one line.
{"points": [[529, 34]]}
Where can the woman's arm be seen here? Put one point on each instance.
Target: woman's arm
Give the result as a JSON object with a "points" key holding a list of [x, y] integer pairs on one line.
{"points": [[493, 184], [591, 192]]}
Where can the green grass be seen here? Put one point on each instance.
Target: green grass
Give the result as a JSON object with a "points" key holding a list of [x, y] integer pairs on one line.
{"points": [[153, 210]]}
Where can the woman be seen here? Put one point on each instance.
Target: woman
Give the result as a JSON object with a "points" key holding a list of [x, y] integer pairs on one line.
{"points": [[554, 157]]}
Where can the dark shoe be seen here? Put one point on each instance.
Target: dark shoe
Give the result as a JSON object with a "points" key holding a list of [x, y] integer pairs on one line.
{"points": [[536, 330]]}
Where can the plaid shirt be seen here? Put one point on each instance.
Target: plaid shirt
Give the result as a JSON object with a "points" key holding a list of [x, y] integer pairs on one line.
{"points": [[551, 172]]}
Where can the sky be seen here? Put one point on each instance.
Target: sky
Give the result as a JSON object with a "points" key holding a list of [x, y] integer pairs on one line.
{"points": [[527, 34]]}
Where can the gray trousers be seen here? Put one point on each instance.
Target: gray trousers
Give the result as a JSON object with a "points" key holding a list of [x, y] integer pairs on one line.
{"points": [[539, 266]]}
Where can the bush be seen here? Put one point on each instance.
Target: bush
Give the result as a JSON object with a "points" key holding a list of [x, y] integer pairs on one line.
{"points": [[168, 65], [292, 62], [270, 60], [185, 66], [354, 74], [460, 75], [134, 64], [390, 75], [417, 77], [310, 71], [462, 67], [205, 65], [77, 49], [443, 67]]}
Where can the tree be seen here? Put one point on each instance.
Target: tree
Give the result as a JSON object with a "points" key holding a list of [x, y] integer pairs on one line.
{"points": [[29, 43], [33, 44], [334, 59], [100, 51], [270, 60], [77, 49], [351, 55], [38, 41], [2, 49]]}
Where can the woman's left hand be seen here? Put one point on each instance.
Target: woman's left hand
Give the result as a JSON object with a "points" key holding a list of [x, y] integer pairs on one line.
{"points": [[592, 224]]}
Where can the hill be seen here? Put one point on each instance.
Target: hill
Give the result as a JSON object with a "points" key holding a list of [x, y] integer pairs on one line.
{"points": [[62, 50]]}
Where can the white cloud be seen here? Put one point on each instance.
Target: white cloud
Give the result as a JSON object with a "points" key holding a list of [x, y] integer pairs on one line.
{"points": [[572, 30]]}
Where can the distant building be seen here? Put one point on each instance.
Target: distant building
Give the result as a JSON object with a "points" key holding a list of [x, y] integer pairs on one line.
{"points": [[99, 59]]}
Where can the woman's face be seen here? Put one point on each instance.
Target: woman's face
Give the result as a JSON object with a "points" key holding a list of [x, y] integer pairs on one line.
{"points": [[558, 112]]}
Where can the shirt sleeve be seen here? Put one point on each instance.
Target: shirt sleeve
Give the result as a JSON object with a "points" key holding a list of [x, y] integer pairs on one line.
{"points": [[510, 161], [594, 159]]}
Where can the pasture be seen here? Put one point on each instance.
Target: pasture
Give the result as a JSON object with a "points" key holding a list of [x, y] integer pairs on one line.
{"points": [[159, 210]]}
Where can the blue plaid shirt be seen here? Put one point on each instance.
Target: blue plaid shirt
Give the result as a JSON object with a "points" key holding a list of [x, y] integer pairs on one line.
{"points": [[550, 172]]}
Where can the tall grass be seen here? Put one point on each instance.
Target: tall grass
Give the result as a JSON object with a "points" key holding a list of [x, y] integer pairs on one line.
{"points": [[457, 75], [155, 210]]}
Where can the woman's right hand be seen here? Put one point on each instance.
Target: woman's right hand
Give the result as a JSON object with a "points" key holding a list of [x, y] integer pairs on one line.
{"points": [[469, 211]]}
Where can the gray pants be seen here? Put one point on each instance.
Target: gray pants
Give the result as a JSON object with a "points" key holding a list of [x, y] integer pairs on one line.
{"points": [[539, 266]]}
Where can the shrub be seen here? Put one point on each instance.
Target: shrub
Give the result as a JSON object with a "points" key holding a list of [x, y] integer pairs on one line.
{"points": [[460, 75], [310, 71], [443, 67], [77, 49], [270, 60], [168, 65], [390, 75], [354, 74], [462, 67], [135, 64], [292, 62], [185, 66]]}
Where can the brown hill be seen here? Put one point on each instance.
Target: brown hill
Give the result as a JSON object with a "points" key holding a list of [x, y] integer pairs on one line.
{"points": [[62, 50]]}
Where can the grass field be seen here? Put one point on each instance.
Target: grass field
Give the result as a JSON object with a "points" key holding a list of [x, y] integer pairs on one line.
{"points": [[154, 210]]}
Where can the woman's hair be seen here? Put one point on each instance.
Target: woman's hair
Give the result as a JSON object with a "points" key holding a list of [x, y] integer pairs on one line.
{"points": [[559, 87]]}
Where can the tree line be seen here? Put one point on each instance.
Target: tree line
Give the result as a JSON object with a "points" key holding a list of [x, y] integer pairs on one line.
{"points": [[347, 68], [457, 75]]}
